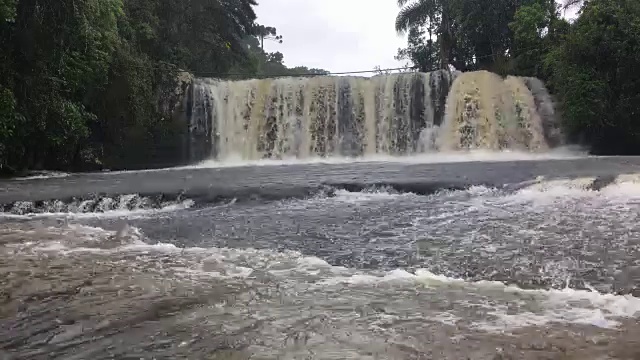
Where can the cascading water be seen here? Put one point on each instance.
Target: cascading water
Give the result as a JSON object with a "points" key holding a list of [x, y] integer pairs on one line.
{"points": [[488, 112], [395, 114]]}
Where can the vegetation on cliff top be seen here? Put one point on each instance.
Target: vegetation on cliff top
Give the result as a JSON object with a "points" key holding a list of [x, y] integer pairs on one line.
{"points": [[587, 64], [86, 84]]}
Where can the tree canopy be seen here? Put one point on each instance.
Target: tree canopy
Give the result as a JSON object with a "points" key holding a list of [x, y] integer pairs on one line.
{"points": [[588, 64], [86, 84]]}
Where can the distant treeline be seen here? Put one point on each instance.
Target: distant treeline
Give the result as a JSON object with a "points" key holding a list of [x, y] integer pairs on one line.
{"points": [[590, 65], [87, 84]]}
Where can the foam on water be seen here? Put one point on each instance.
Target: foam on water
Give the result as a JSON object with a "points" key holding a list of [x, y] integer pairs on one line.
{"points": [[130, 205], [560, 153], [535, 307], [507, 307], [558, 306], [377, 194], [43, 175], [624, 189], [427, 158], [70, 239]]}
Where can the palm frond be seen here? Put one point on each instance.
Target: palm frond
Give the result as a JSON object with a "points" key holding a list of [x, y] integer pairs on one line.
{"points": [[413, 14], [567, 4]]}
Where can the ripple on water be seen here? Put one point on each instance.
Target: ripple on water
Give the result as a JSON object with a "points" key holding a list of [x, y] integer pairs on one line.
{"points": [[157, 299]]}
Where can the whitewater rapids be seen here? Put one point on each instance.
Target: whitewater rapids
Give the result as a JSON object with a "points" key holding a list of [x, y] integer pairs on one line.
{"points": [[547, 267]]}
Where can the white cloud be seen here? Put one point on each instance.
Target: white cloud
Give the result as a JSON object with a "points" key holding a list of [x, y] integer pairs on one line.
{"points": [[336, 35]]}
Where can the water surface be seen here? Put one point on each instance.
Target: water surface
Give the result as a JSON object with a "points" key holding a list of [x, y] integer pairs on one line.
{"points": [[546, 268]]}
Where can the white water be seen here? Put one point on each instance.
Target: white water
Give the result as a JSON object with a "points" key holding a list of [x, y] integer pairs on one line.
{"points": [[559, 153], [432, 158], [306, 277], [117, 206], [199, 264], [43, 175], [386, 115]]}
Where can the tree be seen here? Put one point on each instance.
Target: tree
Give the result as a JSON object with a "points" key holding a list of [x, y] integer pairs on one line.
{"points": [[470, 35], [262, 64], [595, 76], [537, 29], [303, 70], [568, 4], [84, 82], [433, 15], [11, 122], [266, 32], [60, 58], [7, 10], [421, 53]]}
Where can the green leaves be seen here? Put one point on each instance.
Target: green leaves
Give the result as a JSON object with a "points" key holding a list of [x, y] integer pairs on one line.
{"points": [[421, 52], [477, 34], [10, 122], [415, 13], [529, 24], [7, 10], [596, 79], [590, 65], [92, 80]]}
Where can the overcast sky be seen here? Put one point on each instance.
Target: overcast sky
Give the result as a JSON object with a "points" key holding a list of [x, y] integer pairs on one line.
{"points": [[335, 35]]}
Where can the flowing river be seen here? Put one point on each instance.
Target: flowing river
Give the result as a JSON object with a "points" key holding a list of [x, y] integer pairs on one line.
{"points": [[521, 257]]}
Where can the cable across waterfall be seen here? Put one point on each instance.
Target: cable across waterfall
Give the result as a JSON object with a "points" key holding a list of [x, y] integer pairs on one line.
{"points": [[392, 114]]}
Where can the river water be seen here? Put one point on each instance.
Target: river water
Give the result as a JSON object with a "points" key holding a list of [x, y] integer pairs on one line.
{"points": [[544, 266]]}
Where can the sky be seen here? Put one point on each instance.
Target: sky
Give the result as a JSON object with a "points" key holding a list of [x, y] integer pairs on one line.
{"points": [[335, 35]]}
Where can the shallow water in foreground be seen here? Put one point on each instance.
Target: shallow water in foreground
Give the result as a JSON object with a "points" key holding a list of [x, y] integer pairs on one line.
{"points": [[543, 271]]}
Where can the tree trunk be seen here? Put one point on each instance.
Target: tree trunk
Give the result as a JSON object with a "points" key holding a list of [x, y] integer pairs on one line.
{"points": [[445, 39]]}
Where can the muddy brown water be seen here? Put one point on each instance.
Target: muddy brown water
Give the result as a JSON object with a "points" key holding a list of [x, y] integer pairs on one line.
{"points": [[544, 270]]}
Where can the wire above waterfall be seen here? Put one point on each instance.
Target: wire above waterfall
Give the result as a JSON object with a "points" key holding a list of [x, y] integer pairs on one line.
{"points": [[377, 70], [404, 68]]}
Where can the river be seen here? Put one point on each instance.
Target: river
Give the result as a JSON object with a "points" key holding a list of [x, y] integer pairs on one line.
{"points": [[513, 258]]}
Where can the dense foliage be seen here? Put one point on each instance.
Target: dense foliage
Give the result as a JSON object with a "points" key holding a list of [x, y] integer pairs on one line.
{"points": [[87, 84], [595, 74], [587, 64]]}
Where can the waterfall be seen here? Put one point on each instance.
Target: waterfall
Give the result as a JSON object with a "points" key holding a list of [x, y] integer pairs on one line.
{"points": [[394, 114]]}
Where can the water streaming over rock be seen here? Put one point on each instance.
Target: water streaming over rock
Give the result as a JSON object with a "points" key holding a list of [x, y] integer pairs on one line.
{"points": [[96, 204], [393, 114]]}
